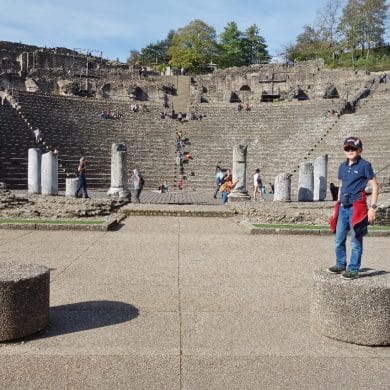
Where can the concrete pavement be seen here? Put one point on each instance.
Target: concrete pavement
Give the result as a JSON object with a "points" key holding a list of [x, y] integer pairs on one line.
{"points": [[184, 303]]}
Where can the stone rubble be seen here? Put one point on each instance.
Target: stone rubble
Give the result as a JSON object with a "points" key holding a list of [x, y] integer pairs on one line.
{"points": [[56, 207]]}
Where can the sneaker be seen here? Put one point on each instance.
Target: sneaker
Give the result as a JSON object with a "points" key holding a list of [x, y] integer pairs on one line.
{"points": [[349, 275], [335, 270]]}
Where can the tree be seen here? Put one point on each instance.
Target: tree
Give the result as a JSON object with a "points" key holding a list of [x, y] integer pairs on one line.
{"points": [[328, 18], [231, 47], [254, 46], [156, 53], [375, 16], [193, 46], [351, 27], [308, 45], [133, 58]]}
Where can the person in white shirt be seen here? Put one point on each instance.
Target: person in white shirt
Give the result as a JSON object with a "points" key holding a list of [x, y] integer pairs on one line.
{"points": [[257, 185]]}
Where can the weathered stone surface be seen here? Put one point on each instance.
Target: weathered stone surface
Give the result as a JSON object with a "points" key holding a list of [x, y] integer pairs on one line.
{"points": [[356, 311], [283, 187], [49, 174], [71, 186], [34, 170], [305, 182], [320, 177], [239, 172], [119, 185], [24, 299]]}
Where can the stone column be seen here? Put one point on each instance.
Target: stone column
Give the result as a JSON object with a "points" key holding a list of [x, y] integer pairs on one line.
{"points": [[305, 182], [119, 185], [49, 174], [239, 193], [282, 188], [34, 171], [71, 186], [320, 177]]}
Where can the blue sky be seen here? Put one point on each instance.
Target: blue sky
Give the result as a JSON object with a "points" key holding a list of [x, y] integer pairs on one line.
{"points": [[117, 26]]}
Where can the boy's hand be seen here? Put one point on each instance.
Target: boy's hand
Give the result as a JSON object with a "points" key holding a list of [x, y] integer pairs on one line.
{"points": [[371, 216]]}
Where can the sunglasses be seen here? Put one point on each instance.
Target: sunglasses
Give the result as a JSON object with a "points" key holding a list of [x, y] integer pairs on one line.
{"points": [[350, 149]]}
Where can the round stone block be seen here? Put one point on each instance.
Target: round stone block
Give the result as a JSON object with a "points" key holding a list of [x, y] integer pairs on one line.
{"points": [[24, 299], [355, 311], [71, 186]]}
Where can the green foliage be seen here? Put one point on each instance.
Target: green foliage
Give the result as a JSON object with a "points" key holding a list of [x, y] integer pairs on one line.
{"points": [[359, 28], [193, 46], [231, 47], [239, 49], [254, 46]]}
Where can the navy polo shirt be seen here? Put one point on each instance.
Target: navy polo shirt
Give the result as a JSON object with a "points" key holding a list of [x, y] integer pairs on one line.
{"points": [[355, 177]]}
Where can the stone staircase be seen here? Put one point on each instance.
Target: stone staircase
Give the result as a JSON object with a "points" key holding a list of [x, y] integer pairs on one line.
{"points": [[181, 100], [370, 122]]}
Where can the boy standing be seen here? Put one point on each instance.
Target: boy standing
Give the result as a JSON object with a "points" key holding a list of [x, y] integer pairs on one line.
{"points": [[351, 212]]}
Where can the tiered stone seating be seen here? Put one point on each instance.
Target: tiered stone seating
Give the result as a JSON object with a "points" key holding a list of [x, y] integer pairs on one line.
{"points": [[15, 139], [278, 136], [74, 125], [371, 123]]}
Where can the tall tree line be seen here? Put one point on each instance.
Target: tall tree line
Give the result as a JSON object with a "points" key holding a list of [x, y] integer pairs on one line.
{"points": [[352, 27], [195, 46]]}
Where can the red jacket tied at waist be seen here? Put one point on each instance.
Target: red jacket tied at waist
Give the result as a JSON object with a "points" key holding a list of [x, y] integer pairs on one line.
{"points": [[359, 216]]}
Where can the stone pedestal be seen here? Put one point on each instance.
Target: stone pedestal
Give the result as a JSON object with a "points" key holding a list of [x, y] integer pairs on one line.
{"points": [[239, 193], [356, 311], [282, 187], [119, 185], [71, 186], [24, 299], [34, 170], [49, 174], [320, 177], [305, 182]]}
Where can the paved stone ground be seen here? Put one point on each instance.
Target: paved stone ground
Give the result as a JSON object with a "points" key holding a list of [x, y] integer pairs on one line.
{"points": [[184, 303]]}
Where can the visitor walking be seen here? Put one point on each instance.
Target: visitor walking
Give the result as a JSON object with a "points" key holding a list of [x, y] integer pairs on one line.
{"points": [[226, 187], [218, 180], [82, 180], [257, 185], [351, 211], [138, 183]]}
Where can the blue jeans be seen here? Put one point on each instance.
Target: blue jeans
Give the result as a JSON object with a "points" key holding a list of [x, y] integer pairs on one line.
{"points": [[224, 197], [216, 190], [82, 185], [344, 224]]}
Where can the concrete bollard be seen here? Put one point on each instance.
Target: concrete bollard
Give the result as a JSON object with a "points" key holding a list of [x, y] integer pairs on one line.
{"points": [[356, 311], [320, 177], [305, 182], [24, 299], [34, 170], [282, 187], [71, 186], [49, 174]]}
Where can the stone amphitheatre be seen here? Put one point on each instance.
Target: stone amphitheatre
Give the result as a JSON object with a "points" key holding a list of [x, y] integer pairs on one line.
{"points": [[167, 300]]}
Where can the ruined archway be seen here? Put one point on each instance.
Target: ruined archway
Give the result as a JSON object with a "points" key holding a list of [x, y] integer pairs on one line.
{"points": [[234, 98], [331, 93], [245, 88]]}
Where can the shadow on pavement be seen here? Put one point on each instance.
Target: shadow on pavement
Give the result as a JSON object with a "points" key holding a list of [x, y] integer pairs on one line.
{"points": [[367, 272], [77, 317]]}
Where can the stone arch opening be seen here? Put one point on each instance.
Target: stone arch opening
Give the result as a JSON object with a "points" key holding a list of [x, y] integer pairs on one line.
{"points": [[140, 94], [234, 98], [245, 88], [331, 93]]}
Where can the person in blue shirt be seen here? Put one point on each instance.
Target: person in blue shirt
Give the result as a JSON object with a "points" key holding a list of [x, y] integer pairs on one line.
{"points": [[351, 211]]}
